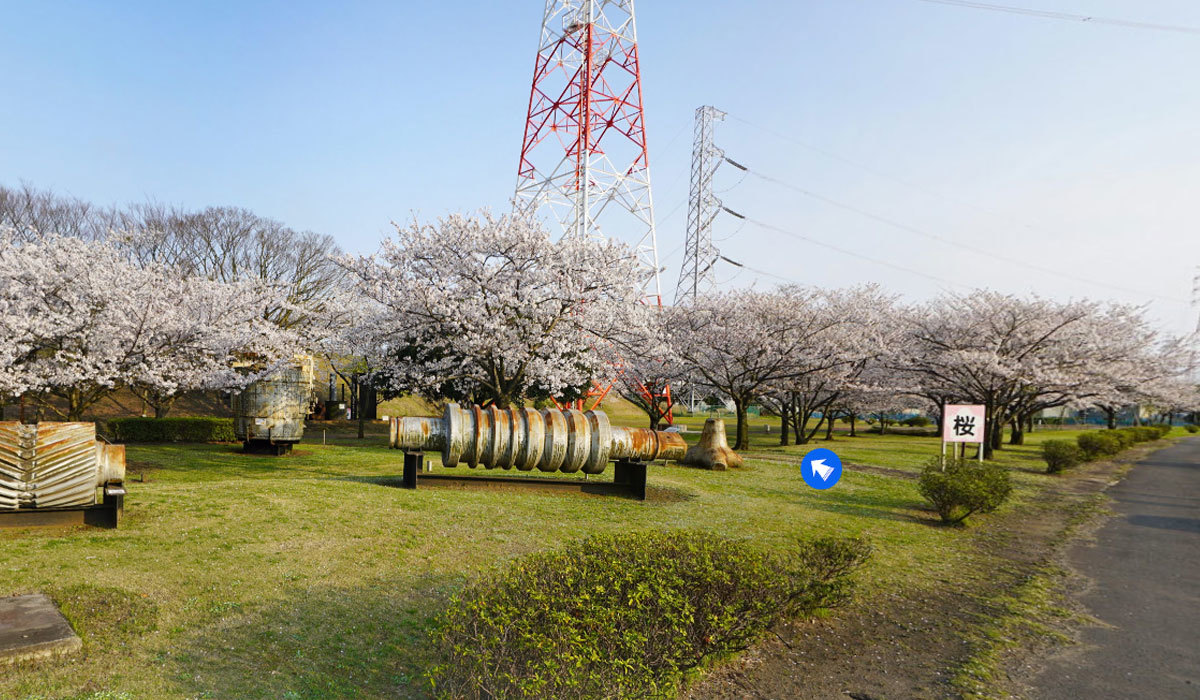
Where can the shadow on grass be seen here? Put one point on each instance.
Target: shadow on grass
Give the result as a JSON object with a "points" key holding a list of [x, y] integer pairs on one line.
{"points": [[527, 483], [906, 512], [209, 462], [895, 505], [367, 642]]}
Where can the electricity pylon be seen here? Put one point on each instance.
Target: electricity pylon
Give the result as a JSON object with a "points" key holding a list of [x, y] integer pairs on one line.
{"points": [[584, 152], [700, 255]]}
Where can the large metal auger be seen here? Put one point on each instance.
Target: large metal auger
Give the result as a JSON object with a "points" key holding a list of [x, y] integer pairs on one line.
{"points": [[549, 440]]}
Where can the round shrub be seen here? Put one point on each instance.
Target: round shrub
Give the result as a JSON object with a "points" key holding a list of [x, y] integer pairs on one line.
{"points": [[917, 422], [1125, 437], [1060, 455], [624, 616], [1192, 428], [1153, 431], [1139, 434], [962, 487], [1097, 444]]}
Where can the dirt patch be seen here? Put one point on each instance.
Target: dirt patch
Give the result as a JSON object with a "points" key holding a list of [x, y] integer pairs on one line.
{"points": [[913, 644]]}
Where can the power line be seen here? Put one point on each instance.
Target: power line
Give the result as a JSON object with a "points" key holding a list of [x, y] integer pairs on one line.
{"points": [[1045, 14], [957, 244], [844, 251], [877, 173], [939, 195]]}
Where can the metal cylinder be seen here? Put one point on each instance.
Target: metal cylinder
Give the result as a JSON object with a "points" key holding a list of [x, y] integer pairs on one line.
{"points": [[273, 408], [549, 440]]}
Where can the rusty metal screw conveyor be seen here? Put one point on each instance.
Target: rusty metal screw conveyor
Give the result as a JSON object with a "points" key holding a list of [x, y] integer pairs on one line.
{"points": [[549, 440]]}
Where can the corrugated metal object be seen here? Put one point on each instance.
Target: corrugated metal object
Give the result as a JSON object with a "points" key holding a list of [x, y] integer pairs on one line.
{"points": [[54, 465], [273, 409], [550, 440]]}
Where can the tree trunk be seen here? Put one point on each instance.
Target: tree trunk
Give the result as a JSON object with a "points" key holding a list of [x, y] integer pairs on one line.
{"points": [[996, 436], [852, 417], [743, 430], [1111, 415], [75, 405], [829, 425], [1018, 432], [356, 400], [783, 424], [162, 405], [882, 423]]}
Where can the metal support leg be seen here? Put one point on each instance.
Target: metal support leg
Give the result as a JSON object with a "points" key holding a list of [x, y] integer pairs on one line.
{"points": [[412, 465], [631, 475]]}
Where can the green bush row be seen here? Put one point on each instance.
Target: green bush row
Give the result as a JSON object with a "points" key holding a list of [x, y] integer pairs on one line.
{"points": [[170, 430], [1192, 428], [959, 487], [1064, 454], [624, 616]]}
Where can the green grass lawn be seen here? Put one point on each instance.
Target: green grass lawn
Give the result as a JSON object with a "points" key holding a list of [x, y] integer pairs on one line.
{"points": [[236, 576]]}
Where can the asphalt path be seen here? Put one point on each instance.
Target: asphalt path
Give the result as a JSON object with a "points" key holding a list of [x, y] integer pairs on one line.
{"points": [[1144, 571]]}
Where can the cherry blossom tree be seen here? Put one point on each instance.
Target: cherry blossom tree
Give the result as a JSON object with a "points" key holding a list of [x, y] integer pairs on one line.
{"points": [[857, 331], [649, 375], [200, 334], [80, 320], [343, 333], [1018, 356], [489, 309], [747, 345]]}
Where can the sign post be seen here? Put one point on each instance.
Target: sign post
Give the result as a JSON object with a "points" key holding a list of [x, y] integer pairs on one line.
{"points": [[963, 423]]}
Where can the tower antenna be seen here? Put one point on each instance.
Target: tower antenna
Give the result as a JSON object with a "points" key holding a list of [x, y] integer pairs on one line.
{"points": [[584, 152]]}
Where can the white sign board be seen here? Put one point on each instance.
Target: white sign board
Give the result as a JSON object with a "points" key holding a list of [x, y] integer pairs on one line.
{"points": [[963, 423]]}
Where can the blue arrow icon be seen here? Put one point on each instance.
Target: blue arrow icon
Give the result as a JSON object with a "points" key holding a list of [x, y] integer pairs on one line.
{"points": [[821, 468]]}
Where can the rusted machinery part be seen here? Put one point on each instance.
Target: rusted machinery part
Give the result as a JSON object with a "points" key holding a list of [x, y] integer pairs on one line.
{"points": [[712, 452], [53, 464], [549, 440], [110, 463], [274, 407]]}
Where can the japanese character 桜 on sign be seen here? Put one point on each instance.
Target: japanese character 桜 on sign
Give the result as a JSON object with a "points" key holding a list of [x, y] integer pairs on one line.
{"points": [[963, 423]]}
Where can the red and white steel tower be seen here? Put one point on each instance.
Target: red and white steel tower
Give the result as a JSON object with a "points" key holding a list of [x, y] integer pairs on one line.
{"points": [[584, 152]]}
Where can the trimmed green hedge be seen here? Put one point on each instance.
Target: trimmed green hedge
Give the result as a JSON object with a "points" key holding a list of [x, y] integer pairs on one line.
{"points": [[1098, 444], [625, 616], [170, 430]]}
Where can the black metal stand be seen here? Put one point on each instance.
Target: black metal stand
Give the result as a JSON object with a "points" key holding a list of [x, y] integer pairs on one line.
{"points": [[631, 474], [412, 465], [106, 515], [629, 479]]}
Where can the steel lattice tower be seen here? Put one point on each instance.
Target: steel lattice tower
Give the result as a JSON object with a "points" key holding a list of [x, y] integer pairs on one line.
{"points": [[700, 255], [584, 152]]}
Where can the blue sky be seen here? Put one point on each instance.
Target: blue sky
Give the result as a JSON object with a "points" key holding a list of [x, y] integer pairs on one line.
{"points": [[1074, 146]]}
